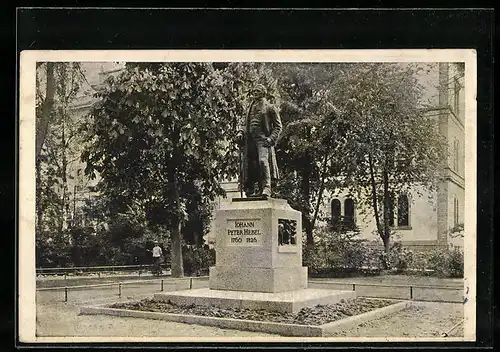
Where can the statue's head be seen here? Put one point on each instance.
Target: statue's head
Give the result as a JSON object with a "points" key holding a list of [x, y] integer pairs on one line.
{"points": [[259, 91]]}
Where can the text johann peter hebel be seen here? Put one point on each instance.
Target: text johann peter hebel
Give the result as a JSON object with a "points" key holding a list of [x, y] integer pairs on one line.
{"points": [[244, 232]]}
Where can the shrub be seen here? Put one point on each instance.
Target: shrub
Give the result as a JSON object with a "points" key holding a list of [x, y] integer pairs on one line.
{"points": [[340, 253], [420, 263], [443, 262], [53, 250], [400, 258], [314, 258], [436, 261], [197, 259], [455, 263]]}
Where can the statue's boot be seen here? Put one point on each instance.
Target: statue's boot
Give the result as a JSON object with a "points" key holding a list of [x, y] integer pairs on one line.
{"points": [[266, 192], [252, 192]]}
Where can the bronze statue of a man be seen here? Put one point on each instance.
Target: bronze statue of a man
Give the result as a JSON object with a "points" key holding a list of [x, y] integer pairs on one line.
{"points": [[258, 135]]}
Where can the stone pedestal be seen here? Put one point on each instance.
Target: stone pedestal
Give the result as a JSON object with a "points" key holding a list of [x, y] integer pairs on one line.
{"points": [[258, 261], [249, 255]]}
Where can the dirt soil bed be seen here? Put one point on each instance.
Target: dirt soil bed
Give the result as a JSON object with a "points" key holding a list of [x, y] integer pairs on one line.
{"points": [[318, 315]]}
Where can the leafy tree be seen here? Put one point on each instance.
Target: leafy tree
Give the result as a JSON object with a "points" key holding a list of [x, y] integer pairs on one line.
{"points": [[56, 139], [52, 251], [312, 135], [392, 145], [160, 135]]}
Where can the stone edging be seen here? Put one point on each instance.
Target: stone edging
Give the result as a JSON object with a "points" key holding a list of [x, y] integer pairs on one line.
{"points": [[253, 325]]}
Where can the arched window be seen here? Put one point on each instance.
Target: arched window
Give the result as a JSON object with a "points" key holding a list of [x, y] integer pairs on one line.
{"points": [[456, 219], [403, 211], [349, 210], [336, 210]]}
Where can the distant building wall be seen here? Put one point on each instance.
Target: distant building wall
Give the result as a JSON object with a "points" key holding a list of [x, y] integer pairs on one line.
{"points": [[422, 218], [80, 186]]}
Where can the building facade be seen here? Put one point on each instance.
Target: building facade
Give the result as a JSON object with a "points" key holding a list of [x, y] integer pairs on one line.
{"points": [[421, 218], [81, 188]]}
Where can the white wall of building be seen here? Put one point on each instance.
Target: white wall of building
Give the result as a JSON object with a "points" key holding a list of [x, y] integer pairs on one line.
{"points": [[422, 217]]}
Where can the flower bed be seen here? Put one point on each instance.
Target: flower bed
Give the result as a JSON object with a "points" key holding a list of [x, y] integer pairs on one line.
{"points": [[318, 315]]}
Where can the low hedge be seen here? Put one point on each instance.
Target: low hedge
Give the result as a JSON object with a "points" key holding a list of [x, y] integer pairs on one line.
{"points": [[343, 255]]}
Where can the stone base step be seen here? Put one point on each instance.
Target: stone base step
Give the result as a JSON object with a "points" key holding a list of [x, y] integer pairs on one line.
{"points": [[291, 301]]}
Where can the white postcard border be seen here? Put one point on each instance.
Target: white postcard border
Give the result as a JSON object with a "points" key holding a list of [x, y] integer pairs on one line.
{"points": [[26, 255]]}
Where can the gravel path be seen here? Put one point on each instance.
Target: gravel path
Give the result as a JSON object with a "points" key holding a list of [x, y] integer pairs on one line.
{"points": [[63, 320], [428, 319]]}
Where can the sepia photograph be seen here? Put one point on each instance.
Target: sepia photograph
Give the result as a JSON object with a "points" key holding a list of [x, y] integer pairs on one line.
{"points": [[247, 195]]}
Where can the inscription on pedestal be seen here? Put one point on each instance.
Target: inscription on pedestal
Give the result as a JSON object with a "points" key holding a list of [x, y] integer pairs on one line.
{"points": [[244, 232]]}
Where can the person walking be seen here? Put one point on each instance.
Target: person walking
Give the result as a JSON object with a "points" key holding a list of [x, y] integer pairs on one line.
{"points": [[157, 253]]}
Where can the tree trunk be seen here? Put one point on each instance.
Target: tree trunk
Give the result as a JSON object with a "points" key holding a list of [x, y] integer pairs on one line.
{"points": [[309, 231], [387, 205], [65, 198], [47, 106], [321, 190], [387, 243], [177, 268], [374, 197], [39, 207], [306, 196]]}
